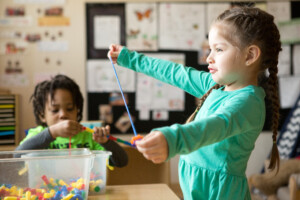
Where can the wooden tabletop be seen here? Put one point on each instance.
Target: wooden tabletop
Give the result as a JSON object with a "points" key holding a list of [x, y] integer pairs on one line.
{"points": [[137, 192]]}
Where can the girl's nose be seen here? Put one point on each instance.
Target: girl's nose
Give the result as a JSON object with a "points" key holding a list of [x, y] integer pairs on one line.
{"points": [[209, 59]]}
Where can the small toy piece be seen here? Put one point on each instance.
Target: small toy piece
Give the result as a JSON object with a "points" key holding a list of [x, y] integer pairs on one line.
{"points": [[23, 170], [46, 181], [88, 129], [119, 140], [110, 137], [135, 138]]}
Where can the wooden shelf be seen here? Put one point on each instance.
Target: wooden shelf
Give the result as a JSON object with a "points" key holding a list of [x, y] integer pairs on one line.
{"points": [[9, 119]]}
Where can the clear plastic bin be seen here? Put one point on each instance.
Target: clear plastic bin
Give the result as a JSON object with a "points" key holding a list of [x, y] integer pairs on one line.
{"points": [[51, 174], [98, 173]]}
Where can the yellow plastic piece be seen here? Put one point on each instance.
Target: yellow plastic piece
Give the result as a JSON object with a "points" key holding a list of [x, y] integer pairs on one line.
{"points": [[68, 197], [10, 198], [61, 182], [33, 197], [52, 182], [28, 195], [23, 171], [99, 181], [111, 168], [47, 195], [21, 192], [14, 190]]}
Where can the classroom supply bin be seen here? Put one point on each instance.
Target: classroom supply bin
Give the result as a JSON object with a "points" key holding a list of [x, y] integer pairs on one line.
{"points": [[98, 172], [48, 174]]}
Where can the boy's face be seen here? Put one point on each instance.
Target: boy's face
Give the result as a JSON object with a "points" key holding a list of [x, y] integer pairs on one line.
{"points": [[60, 108]]}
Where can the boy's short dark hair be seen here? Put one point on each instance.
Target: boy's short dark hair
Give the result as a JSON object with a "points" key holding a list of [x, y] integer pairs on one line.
{"points": [[43, 89]]}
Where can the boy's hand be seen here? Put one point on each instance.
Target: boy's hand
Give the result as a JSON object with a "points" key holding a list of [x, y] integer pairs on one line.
{"points": [[114, 51], [65, 128], [101, 133], [154, 147]]}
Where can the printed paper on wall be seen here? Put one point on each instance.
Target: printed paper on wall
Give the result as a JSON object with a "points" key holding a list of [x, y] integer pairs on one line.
{"points": [[101, 77], [141, 26], [181, 26], [106, 31]]}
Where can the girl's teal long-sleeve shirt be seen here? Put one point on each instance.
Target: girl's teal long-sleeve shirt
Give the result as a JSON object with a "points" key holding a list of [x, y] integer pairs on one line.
{"points": [[216, 146]]}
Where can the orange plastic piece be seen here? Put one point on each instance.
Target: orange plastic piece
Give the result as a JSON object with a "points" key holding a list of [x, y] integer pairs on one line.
{"points": [[135, 138]]}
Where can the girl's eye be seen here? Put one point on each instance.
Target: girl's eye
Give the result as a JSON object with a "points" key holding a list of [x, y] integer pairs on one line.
{"points": [[218, 50]]}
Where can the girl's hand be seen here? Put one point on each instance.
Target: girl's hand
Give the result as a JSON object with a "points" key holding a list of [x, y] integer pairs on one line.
{"points": [[114, 51], [65, 128], [101, 133], [154, 147]]}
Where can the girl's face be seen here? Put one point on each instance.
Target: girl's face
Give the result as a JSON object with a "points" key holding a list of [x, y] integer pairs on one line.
{"points": [[60, 108], [225, 61]]}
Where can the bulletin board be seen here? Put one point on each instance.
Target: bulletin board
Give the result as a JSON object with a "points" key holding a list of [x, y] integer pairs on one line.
{"points": [[96, 99]]}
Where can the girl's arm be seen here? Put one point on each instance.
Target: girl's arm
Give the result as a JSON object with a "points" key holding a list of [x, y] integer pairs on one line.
{"points": [[239, 115], [189, 79], [242, 114], [38, 141]]}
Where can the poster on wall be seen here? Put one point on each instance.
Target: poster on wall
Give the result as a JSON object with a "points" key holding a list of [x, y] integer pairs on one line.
{"points": [[284, 61], [181, 25], [101, 77], [289, 88], [141, 26], [156, 95], [106, 31], [213, 10], [16, 21], [280, 10]]}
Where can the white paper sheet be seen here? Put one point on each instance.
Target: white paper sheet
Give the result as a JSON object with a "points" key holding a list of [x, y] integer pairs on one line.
{"points": [[17, 47], [141, 26], [16, 21], [181, 25], [296, 59], [280, 10], [160, 115], [53, 46], [284, 61], [144, 113], [213, 10], [107, 31], [101, 77], [289, 32], [157, 95], [289, 90], [14, 80]]}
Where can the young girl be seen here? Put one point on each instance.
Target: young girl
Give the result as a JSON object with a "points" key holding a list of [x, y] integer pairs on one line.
{"points": [[216, 141], [57, 108]]}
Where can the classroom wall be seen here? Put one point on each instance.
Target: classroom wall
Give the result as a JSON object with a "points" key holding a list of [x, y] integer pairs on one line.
{"points": [[33, 61]]}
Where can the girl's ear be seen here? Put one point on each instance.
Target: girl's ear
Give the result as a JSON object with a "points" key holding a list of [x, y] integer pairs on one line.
{"points": [[253, 54]]}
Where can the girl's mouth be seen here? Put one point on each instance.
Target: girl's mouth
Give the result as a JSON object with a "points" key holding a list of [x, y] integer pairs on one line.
{"points": [[212, 70]]}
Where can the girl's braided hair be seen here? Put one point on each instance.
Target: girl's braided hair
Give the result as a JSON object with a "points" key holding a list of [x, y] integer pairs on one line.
{"points": [[253, 26], [42, 90]]}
